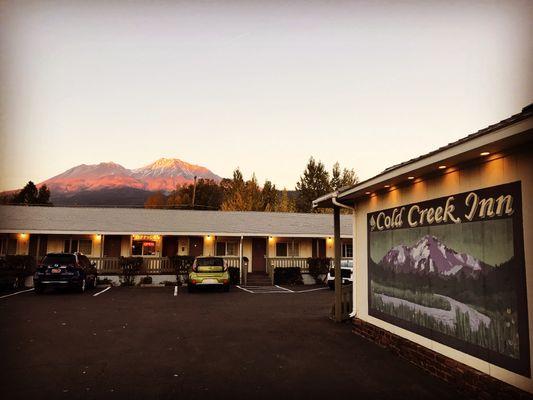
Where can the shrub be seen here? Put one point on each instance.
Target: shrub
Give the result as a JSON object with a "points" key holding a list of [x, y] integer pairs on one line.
{"points": [[14, 269], [146, 280], [130, 267], [318, 266], [104, 281], [182, 266], [288, 276]]}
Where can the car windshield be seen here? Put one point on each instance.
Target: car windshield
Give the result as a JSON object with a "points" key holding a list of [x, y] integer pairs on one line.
{"points": [[210, 264], [61, 259]]}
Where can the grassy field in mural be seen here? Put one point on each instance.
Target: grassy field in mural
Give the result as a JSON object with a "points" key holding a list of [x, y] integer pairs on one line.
{"points": [[493, 330]]}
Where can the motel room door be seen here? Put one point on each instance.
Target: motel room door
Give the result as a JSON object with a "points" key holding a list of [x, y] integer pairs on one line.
{"points": [[319, 248], [259, 246], [112, 245], [196, 246]]}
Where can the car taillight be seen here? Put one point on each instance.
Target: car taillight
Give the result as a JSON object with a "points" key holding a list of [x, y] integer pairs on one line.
{"points": [[193, 281]]}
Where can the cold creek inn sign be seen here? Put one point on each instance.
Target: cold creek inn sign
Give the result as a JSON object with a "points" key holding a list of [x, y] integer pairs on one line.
{"points": [[452, 269]]}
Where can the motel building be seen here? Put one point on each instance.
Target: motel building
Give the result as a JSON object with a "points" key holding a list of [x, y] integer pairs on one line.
{"points": [[256, 242], [443, 255]]}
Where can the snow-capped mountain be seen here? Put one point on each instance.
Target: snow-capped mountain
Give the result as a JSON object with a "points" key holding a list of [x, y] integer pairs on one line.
{"points": [[164, 174], [429, 255]]}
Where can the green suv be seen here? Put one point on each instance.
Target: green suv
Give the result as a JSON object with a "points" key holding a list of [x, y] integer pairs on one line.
{"points": [[208, 271]]}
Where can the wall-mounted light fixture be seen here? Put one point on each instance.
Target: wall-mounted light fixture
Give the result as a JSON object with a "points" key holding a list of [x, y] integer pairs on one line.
{"points": [[442, 166], [410, 178], [386, 186], [484, 153], [23, 236]]}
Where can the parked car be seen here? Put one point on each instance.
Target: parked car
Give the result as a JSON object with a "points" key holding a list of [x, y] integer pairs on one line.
{"points": [[346, 274], [72, 270], [208, 271]]}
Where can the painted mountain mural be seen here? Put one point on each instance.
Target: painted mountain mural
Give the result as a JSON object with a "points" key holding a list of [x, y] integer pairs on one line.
{"points": [[109, 183], [431, 256], [420, 282]]}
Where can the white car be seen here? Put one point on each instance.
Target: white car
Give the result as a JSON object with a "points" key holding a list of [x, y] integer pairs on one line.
{"points": [[346, 274]]}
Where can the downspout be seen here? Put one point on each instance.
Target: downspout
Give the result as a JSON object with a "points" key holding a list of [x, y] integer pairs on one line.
{"points": [[337, 248]]}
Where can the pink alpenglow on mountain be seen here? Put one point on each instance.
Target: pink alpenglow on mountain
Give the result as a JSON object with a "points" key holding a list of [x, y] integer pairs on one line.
{"points": [[429, 255], [164, 174]]}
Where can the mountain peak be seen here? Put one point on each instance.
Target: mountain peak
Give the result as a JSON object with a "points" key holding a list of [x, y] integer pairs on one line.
{"points": [[430, 255], [163, 174]]}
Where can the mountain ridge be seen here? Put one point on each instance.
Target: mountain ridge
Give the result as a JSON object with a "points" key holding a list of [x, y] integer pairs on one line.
{"points": [[430, 255], [163, 174]]}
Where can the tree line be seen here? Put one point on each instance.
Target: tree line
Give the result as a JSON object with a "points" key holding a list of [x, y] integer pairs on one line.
{"points": [[238, 194], [29, 195]]}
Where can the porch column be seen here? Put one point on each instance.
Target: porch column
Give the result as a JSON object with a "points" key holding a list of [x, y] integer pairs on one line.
{"points": [[242, 280], [337, 258]]}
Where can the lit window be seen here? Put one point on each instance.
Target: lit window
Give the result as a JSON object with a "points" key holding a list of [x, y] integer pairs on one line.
{"points": [[287, 249], [227, 248], [143, 247]]}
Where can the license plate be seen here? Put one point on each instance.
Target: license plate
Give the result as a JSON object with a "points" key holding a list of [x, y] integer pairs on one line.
{"points": [[209, 281], [56, 270]]}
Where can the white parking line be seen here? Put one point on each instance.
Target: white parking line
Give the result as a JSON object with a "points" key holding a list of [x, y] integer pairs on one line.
{"points": [[13, 294], [246, 290], [288, 290], [102, 291], [312, 290], [176, 290]]}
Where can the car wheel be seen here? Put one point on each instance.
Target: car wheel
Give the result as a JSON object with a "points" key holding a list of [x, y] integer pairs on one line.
{"points": [[331, 286], [38, 289], [226, 288], [190, 288]]}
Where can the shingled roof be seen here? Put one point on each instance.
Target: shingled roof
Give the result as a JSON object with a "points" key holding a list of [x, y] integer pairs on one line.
{"points": [[65, 220]]}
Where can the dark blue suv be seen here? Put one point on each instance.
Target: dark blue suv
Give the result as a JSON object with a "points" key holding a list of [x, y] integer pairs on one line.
{"points": [[69, 270]]}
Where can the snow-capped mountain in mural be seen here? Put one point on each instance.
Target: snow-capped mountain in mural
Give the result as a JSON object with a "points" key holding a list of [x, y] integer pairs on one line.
{"points": [[430, 255]]}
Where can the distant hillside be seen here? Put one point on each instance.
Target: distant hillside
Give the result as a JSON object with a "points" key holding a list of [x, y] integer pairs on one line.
{"points": [[103, 197]]}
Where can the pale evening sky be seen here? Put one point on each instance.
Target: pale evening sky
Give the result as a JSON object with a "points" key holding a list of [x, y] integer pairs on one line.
{"points": [[259, 85]]}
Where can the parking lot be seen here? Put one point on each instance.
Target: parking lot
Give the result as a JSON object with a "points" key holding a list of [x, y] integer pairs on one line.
{"points": [[148, 343]]}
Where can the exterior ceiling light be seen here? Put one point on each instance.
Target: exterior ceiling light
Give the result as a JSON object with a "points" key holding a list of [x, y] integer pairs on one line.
{"points": [[410, 178], [442, 166], [387, 186], [367, 192], [484, 153]]}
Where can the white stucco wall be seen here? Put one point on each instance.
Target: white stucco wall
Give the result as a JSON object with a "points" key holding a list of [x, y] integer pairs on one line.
{"points": [[515, 167]]}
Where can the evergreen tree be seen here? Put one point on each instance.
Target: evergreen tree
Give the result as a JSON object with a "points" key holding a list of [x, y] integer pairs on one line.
{"points": [[44, 195], [336, 178], [269, 197], [234, 194], [286, 204], [349, 178], [31, 195], [313, 183], [252, 195]]}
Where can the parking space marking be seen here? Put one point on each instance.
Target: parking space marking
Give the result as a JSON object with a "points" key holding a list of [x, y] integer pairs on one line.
{"points": [[312, 290], [102, 291], [276, 289], [246, 290], [288, 290], [176, 290], [14, 294]]}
